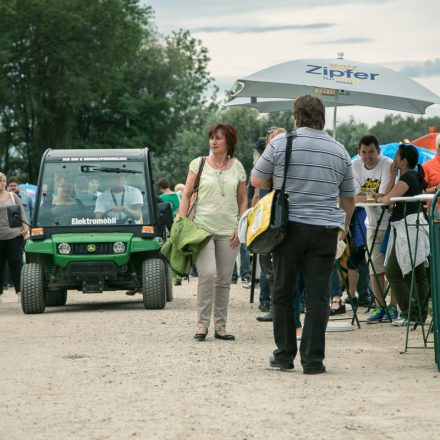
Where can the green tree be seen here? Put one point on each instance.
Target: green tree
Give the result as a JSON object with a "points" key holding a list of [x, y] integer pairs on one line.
{"points": [[58, 55], [397, 128], [161, 92], [349, 133]]}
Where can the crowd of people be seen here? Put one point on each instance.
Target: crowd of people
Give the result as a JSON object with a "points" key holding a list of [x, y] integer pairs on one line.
{"points": [[323, 186]]}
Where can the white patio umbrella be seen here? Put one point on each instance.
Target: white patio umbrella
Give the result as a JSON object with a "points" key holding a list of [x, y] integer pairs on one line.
{"points": [[339, 82], [265, 105]]}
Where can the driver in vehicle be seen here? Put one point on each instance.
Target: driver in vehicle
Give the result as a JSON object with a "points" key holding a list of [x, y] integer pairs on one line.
{"points": [[121, 202]]}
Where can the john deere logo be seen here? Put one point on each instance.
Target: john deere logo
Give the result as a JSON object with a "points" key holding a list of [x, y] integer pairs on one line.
{"points": [[91, 248]]}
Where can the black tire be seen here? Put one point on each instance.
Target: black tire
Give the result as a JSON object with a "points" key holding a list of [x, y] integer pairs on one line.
{"points": [[154, 283], [32, 289], [169, 275], [56, 298]]}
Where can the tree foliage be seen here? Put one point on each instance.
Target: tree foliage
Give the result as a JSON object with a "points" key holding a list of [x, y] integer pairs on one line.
{"points": [[93, 74], [348, 134], [56, 59], [398, 128]]}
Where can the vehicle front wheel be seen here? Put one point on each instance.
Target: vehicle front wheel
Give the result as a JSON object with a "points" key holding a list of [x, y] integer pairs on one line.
{"points": [[154, 283], [32, 289], [56, 298]]}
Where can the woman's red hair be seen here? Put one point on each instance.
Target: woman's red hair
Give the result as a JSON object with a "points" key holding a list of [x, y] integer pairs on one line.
{"points": [[229, 133]]}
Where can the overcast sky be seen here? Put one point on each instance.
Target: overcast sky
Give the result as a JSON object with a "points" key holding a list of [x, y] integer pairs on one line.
{"points": [[244, 36]]}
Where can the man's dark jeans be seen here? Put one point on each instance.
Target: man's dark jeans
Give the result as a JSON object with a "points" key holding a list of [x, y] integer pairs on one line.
{"points": [[245, 272], [312, 250], [264, 290]]}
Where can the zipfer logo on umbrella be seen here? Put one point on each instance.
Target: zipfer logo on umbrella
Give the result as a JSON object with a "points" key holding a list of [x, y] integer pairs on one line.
{"points": [[344, 73]]}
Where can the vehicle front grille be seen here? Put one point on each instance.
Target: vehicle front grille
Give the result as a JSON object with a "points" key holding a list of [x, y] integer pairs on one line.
{"points": [[100, 249]]}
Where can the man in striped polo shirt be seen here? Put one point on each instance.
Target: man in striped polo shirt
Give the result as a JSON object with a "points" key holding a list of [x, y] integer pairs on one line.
{"points": [[321, 194]]}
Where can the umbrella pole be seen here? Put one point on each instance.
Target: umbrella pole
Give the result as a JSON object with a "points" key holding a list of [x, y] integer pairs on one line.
{"points": [[334, 113]]}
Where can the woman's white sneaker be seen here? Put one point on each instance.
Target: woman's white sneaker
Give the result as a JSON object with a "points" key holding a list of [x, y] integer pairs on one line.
{"points": [[401, 322]]}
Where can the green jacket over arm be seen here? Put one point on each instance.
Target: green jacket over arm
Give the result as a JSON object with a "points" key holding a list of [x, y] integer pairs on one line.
{"points": [[184, 245]]}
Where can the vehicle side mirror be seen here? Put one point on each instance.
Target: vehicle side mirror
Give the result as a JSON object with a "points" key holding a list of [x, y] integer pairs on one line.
{"points": [[14, 216], [165, 214]]}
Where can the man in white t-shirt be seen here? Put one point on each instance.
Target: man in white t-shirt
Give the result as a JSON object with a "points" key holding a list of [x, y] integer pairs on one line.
{"points": [[120, 201], [372, 171]]}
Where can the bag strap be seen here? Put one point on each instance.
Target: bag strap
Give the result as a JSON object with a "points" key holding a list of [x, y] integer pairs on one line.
{"points": [[290, 137], [199, 174], [12, 198], [196, 184]]}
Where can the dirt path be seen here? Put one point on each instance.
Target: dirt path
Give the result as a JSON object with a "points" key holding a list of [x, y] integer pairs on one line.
{"points": [[105, 368]]}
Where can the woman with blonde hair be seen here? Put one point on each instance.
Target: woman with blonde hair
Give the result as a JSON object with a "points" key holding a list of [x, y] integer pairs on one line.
{"points": [[11, 239], [179, 188], [63, 207]]}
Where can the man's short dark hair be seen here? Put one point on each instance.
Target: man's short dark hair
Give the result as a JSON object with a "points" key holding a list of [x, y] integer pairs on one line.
{"points": [[369, 139], [309, 111], [164, 183], [14, 179]]}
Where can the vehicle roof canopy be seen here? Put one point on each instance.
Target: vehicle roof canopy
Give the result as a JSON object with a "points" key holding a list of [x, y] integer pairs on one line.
{"points": [[97, 154]]}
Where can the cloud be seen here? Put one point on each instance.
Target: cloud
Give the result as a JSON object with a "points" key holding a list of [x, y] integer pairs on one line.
{"points": [[214, 10], [225, 82], [345, 41], [261, 29], [422, 69]]}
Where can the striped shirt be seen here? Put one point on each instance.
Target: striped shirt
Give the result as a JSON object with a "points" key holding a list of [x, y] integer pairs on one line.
{"points": [[319, 173]]}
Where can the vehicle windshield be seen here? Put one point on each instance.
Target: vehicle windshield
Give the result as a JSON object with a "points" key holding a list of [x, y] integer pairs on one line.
{"points": [[93, 193]]}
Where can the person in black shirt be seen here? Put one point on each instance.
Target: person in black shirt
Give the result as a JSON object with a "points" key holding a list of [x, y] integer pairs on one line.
{"points": [[410, 183]]}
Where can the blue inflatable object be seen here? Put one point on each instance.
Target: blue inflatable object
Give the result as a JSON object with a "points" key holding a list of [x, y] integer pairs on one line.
{"points": [[389, 150], [29, 189]]}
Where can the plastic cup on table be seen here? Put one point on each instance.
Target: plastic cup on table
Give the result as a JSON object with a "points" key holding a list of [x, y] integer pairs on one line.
{"points": [[370, 192]]}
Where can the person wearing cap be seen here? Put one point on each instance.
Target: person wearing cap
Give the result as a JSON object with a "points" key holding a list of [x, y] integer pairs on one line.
{"points": [[432, 170]]}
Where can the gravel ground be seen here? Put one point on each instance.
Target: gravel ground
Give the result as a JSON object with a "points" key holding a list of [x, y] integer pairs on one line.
{"points": [[102, 367]]}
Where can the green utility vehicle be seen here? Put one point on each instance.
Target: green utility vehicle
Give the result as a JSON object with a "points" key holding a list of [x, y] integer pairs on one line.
{"points": [[97, 226]]}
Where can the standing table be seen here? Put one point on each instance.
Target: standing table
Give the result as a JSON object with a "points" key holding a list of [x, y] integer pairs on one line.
{"points": [[369, 251], [419, 199]]}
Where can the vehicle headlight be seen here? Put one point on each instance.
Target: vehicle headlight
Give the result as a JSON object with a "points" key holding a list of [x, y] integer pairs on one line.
{"points": [[64, 248], [119, 247]]}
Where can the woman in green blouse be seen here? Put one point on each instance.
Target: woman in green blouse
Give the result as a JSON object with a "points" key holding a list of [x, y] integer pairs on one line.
{"points": [[222, 199]]}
